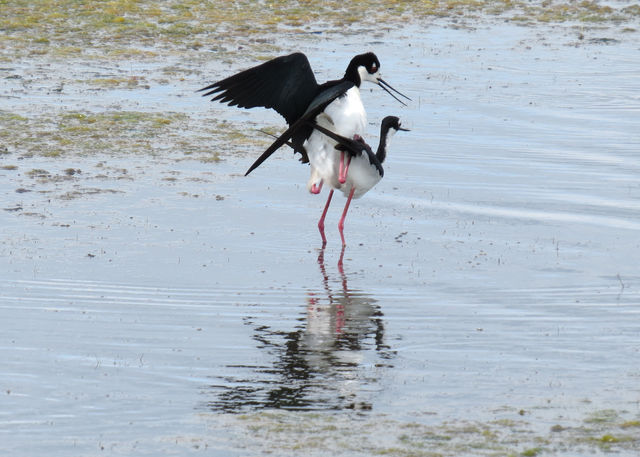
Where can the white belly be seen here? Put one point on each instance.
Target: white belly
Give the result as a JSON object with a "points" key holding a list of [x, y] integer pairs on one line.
{"points": [[323, 157], [326, 163], [345, 116], [362, 175]]}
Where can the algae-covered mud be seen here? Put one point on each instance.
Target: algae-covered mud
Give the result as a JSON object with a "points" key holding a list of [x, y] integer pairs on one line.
{"points": [[154, 301], [148, 29]]}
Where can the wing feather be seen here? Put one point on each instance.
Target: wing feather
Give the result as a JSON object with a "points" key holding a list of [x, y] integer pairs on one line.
{"points": [[330, 92], [286, 84]]}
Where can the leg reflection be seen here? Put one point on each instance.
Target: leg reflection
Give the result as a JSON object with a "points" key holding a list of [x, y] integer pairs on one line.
{"points": [[329, 356]]}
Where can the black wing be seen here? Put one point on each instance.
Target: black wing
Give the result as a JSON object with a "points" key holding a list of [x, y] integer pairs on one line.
{"points": [[301, 129], [351, 147], [301, 150], [286, 84]]}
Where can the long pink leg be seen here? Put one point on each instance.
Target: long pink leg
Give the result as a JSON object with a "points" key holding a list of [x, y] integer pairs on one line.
{"points": [[316, 189], [342, 171], [344, 215], [321, 221]]}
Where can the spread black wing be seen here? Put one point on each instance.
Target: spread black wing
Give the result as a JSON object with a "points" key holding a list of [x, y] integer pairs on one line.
{"points": [[285, 84], [301, 128], [352, 147]]}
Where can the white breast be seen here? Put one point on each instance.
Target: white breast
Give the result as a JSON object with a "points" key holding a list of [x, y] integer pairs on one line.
{"points": [[347, 114]]}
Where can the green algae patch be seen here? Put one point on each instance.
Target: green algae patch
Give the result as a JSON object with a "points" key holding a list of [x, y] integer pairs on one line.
{"points": [[611, 442], [131, 82], [288, 433], [631, 424], [611, 439], [121, 132], [605, 416], [71, 27], [118, 133]]}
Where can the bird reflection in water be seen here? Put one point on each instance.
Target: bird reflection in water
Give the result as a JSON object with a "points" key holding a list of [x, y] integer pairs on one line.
{"points": [[332, 359]]}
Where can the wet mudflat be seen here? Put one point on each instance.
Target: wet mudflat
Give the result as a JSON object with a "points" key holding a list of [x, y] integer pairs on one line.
{"points": [[155, 301]]}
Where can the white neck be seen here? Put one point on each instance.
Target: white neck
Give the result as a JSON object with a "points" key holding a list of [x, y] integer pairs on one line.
{"points": [[366, 76]]}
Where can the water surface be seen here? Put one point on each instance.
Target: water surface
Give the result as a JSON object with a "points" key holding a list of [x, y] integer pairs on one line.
{"points": [[488, 301]]}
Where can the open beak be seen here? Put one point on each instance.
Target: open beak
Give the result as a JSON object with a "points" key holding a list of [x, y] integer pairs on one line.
{"points": [[387, 88], [404, 130]]}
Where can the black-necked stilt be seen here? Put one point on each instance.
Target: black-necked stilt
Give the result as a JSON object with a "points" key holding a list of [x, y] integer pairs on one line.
{"points": [[287, 84], [352, 155]]}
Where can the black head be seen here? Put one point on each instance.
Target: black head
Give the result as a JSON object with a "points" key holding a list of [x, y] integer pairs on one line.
{"points": [[391, 122], [389, 126], [363, 67], [366, 67]]}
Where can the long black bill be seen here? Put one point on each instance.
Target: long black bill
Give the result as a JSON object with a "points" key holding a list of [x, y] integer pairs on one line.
{"points": [[386, 86]]}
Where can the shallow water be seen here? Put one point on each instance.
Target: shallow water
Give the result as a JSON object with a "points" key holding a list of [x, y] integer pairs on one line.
{"points": [[490, 280]]}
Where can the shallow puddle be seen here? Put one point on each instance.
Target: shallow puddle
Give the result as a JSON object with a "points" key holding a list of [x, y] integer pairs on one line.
{"points": [[489, 301]]}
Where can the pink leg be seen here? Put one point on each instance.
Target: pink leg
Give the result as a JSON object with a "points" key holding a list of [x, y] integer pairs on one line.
{"points": [[321, 221], [346, 169], [344, 215], [316, 189], [339, 318], [340, 268], [342, 172]]}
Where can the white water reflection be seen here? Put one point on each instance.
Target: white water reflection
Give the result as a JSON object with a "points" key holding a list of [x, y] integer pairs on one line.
{"points": [[532, 215], [324, 362]]}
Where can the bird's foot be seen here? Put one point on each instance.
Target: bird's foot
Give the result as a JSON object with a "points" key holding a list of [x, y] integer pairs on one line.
{"points": [[321, 230], [316, 188], [344, 243]]}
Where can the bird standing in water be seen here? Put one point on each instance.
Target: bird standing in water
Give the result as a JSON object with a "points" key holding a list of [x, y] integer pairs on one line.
{"points": [[287, 85], [355, 155]]}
